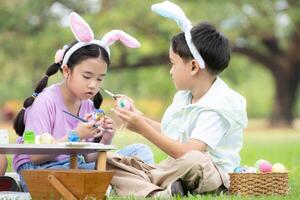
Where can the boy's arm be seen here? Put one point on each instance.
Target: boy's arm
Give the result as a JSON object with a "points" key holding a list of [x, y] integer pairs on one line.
{"points": [[154, 124], [171, 147]]}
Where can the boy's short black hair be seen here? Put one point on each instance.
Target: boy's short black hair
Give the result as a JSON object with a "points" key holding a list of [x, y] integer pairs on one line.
{"points": [[212, 45]]}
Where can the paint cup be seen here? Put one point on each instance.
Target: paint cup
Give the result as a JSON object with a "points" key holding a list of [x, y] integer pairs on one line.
{"points": [[29, 137], [4, 139], [73, 136]]}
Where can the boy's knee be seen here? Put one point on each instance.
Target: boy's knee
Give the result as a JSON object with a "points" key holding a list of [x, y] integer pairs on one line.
{"points": [[193, 159]]}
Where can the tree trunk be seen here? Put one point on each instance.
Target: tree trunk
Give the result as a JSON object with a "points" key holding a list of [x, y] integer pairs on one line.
{"points": [[285, 68], [286, 85]]}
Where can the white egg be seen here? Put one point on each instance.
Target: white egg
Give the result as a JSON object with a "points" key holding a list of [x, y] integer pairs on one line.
{"points": [[278, 167]]}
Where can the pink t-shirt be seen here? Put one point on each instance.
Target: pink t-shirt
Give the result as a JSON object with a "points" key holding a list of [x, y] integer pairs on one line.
{"points": [[46, 115]]}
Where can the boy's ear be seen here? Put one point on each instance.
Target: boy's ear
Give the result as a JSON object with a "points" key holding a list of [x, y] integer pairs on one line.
{"points": [[194, 67], [66, 71]]}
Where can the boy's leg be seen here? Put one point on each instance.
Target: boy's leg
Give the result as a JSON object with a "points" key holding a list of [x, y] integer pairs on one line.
{"points": [[131, 176], [142, 151], [195, 170], [204, 175]]}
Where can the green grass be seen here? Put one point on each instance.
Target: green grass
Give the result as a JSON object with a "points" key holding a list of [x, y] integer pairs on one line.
{"points": [[273, 145]]}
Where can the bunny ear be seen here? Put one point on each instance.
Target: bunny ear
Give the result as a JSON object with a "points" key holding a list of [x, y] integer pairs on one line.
{"points": [[115, 35], [174, 12], [80, 28]]}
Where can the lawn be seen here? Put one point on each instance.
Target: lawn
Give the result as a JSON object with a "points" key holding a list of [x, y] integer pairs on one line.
{"points": [[259, 143], [273, 145]]}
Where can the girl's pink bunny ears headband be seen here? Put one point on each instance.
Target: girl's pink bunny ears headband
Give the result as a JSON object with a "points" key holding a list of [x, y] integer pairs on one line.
{"points": [[85, 36], [174, 12]]}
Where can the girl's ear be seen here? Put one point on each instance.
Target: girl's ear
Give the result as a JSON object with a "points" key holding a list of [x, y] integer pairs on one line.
{"points": [[66, 71], [80, 28]]}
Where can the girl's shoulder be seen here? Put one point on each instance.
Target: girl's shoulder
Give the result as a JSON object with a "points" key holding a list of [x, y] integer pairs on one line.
{"points": [[50, 94]]}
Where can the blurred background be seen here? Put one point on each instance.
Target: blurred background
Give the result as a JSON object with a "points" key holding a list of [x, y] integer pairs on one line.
{"points": [[265, 38], [265, 64]]}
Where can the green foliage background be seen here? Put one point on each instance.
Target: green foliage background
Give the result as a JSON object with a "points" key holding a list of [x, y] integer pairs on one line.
{"points": [[31, 31]]}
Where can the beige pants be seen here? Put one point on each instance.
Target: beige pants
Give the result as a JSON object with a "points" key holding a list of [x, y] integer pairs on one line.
{"points": [[195, 170]]}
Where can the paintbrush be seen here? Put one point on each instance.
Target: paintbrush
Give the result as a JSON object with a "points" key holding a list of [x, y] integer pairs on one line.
{"points": [[114, 96], [83, 120]]}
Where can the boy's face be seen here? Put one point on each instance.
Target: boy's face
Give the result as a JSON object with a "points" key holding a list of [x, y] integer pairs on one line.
{"points": [[180, 71], [86, 78]]}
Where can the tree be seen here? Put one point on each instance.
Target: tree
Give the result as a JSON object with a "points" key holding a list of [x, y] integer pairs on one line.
{"points": [[270, 35], [267, 33]]}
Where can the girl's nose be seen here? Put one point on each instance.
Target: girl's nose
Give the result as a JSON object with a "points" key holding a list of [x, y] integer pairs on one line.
{"points": [[92, 84]]}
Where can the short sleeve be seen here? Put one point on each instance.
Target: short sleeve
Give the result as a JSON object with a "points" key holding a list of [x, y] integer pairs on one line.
{"points": [[210, 128], [38, 116]]}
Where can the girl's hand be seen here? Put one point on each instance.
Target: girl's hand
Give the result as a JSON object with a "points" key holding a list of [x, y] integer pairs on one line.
{"points": [[108, 134], [135, 120], [87, 129]]}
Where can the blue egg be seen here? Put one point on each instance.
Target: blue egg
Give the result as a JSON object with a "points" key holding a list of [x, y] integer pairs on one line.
{"points": [[238, 170]]}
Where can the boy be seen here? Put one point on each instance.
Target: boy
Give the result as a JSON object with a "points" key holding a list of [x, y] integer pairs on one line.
{"points": [[201, 130]]}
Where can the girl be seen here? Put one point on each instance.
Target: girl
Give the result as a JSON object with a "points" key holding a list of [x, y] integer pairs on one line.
{"points": [[201, 130], [83, 64]]}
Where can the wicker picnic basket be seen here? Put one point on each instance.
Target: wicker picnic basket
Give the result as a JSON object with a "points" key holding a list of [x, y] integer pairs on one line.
{"points": [[259, 183]]}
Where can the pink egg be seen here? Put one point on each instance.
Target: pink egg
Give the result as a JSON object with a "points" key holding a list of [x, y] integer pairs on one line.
{"points": [[124, 103], [265, 166]]}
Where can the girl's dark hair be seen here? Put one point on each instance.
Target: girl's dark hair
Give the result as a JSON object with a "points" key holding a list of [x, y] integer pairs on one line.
{"points": [[212, 45], [84, 53]]}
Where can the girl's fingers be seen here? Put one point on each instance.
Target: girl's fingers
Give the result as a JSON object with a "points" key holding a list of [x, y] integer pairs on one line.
{"points": [[98, 134], [110, 131], [108, 126], [88, 116], [108, 123], [90, 124], [99, 123]]}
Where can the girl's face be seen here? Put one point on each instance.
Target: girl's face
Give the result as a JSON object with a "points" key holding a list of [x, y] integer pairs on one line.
{"points": [[179, 71], [86, 78]]}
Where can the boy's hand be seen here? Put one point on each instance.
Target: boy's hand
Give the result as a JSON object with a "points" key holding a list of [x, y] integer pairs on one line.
{"points": [[132, 107], [135, 120]]}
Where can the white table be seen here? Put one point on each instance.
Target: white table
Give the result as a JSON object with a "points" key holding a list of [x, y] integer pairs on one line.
{"points": [[61, 148]]}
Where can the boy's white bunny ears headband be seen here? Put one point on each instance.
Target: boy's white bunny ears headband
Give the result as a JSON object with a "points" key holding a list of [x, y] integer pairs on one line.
{"points": [[174, 12], [85, 36]]}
